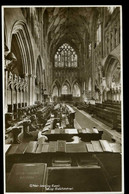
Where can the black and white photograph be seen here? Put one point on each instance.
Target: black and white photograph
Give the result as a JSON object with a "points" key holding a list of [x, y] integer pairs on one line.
{"points": [[63, 99]]}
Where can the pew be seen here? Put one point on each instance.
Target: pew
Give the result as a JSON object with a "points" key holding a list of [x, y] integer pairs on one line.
{"points": [[67, 134], [25, 123], [49, 125], [24, 151], [88, 167], [18, 129], [14, 131], [8, 120], [109, 117], [46, 111], [108, 113]]}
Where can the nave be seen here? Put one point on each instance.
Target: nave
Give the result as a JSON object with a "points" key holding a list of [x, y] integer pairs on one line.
{"points": [[62, 99], [60, 146]]}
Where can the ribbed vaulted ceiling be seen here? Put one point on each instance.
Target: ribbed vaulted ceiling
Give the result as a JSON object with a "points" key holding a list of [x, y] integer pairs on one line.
{"points": [[68, 24]]}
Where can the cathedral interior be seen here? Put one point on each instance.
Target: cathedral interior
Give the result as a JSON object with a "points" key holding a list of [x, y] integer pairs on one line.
{"points": [[62, 99]]}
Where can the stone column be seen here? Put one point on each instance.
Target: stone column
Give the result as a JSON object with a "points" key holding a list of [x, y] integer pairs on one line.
{"points": [[16, 89], [30, 90], [59, 91], [17, 95], [20, 98], [11, 88], [5, 90], [12, 96], [40, 91], [84, 91], [93, 93], [33, 88], [26, 89], [24, 93], [9, 82], [21, 95]]}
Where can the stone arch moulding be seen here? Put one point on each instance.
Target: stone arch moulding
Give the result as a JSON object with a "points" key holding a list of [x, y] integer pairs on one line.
{"points": [[66, 82], [110, 66], [20, 30], [39, 68], [57, 90], [17, 50], [78, 92], [74, 82], [56, 83], [108, 63]]}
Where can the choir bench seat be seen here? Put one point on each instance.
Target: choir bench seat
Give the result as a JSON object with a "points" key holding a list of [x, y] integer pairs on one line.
{"points": [[67, 134], [109, 113], [92, 166]]}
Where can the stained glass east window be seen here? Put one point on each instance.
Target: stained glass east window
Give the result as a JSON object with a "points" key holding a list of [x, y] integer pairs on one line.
{"points": [[65, 56]]}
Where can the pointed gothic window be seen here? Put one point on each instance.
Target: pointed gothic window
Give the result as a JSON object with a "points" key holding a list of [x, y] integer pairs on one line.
{"points": [[65, 56]]}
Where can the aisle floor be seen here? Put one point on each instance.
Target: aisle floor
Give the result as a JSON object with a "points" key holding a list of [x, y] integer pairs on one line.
{"points": [[85, 120]]}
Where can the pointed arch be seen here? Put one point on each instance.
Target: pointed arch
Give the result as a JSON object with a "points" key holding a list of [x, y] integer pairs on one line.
{"points": [[39, 70], [111, 67], [76, 91], [20, 43], [75, 81], [67, 89], [55, 91], [21, 35], [56, 82], [39, 79], [56, 88]]}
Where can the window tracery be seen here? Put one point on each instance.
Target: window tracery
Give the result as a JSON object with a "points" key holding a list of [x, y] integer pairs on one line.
{"points": [[65, 56]]}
